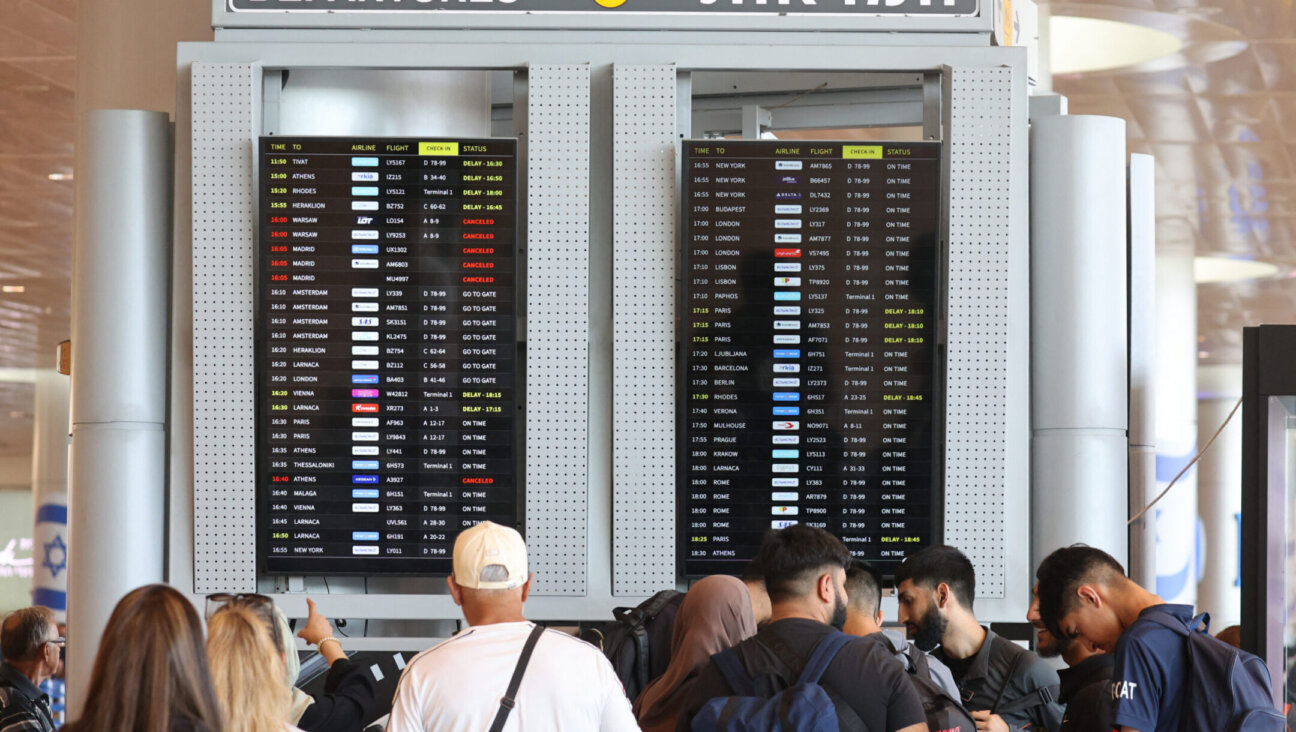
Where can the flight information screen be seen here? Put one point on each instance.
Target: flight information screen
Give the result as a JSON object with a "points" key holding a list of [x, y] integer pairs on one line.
{"points": [[810, 377], [386, 350]]}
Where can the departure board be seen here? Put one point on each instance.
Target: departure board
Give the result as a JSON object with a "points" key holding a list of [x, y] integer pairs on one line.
{"points": [[386, 351], [810, 377]]}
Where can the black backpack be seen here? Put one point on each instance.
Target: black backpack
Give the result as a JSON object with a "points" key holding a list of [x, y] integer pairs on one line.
{"points": [[638, 641], [944, 713]]}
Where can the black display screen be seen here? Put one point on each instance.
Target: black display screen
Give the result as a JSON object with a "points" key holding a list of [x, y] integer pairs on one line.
{"points": [[386, 350], [810, 372]]}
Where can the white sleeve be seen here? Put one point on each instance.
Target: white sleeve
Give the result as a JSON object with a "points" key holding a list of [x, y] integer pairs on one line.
{"points": [[617, 715], [406, 715]]}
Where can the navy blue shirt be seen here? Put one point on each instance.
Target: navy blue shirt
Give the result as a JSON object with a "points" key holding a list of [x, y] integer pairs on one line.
{"points": [[1150, 677]]}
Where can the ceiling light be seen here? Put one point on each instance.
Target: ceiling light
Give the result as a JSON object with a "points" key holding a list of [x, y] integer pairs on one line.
{"points": [[60, 176], [14, 288], [1081, 45], [1229, 269]]}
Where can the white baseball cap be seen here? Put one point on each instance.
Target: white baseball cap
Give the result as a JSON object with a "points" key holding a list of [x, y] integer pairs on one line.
{"points": [[486, 544]]}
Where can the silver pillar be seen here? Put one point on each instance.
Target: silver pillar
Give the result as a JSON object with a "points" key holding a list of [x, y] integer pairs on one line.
{"points": [[1219, 494], [119, 373], [49, 492], [1142, 368], [1079, 342]]}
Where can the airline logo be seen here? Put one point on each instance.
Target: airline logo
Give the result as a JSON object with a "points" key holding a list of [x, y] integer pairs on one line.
{"points": [[364, 378], [785, 482], [365, 550], [364, 162], [787, 281], [782, 524], [362, 365], [364, 535], [364, 508], [786, 253], [364, 264], [364, 350], [364, 492], [787, 164], [362, 450], [363, 480], [786, 381], [778, 325], [787, 239], [787, 368], [787, 266], [364, 421], [785, 426], [784, 468], [787, 223], [789, 180], [786, 439], [785, 340], [364, 292], [364, 177], [365, 409], [364, 322], [364, 394], [786, 295], [364, 234], [787, 208], [787, 411], [784, 496], [364, 190], [364, 220], [364, 248], [364, 307], [364, 205], [364, 436], [364, 465], [787, 195], [787, 353], [364, 335], [785, 454], [787, 396], [785, 510], [787, 309]]}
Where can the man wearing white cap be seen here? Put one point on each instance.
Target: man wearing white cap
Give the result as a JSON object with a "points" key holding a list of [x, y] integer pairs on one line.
{"points": [[477, 680]]}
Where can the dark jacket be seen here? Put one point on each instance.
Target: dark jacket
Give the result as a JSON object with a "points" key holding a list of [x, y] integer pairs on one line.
{"points": [[1001, 673], [1087, 695], [347, 701]]}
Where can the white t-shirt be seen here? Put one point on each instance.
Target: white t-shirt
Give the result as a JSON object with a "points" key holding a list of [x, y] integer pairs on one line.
{"points": [[456, 686]]}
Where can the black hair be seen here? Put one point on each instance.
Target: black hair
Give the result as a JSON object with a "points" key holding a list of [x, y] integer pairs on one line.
{"points": [[1062, 572], [753, 572], [864, 587], [789, 556], [936, 564]]}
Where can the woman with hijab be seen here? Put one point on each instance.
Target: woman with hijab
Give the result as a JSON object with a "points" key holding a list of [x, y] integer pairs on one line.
{"points": [[716, 614]]}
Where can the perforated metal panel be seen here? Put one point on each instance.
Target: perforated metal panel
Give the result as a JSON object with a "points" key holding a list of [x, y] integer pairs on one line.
{"points": [[225, 120], [557, 353], [643, 237], [980, 131]]}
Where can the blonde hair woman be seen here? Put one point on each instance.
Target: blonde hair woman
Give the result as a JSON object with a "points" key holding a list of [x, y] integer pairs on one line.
{"points": [[247, 667]]}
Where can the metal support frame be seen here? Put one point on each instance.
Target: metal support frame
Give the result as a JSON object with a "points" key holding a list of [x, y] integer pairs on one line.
{"points": [[1004, 91]]}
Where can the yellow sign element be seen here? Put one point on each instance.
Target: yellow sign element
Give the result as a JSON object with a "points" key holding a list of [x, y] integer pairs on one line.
{"points": [[610, 3], [438, 148], [870, 152]]}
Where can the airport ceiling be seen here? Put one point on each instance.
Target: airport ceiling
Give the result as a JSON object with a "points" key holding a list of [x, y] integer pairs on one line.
{"points": [[1221, 121]]}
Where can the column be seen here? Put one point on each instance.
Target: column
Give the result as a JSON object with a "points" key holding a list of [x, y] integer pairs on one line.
{"points": [[1219, 494]]}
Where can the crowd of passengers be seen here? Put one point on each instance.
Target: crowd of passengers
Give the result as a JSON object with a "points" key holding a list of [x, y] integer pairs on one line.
{"points": [[804, 629]]}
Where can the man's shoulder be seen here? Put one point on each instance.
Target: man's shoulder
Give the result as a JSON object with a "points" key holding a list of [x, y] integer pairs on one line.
{"points": [[445, 655], [18, 713]]}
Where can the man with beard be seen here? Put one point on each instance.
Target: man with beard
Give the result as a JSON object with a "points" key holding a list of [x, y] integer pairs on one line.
{"points": [[805, 574], [1005, 686], [1086, 682]]}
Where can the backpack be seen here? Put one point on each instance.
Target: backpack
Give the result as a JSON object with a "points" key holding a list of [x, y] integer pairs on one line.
{"points": [[638, 641], [1229, 689], [803, 707], [944, 713]]}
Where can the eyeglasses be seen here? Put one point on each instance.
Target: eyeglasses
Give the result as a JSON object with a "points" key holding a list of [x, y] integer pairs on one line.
{"points": [[61, 642], [260, 605]]}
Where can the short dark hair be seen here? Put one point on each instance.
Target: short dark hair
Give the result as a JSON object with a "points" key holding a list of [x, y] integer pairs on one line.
{"points": [[864, 587], [1062, 572], [788, 557], [753, 572], [25, 632], [936, 564]]}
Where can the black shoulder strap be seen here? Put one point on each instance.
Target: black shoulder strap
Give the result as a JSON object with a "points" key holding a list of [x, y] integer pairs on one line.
{"points": [[510, 697], [1012, 670], [1036, 698]]}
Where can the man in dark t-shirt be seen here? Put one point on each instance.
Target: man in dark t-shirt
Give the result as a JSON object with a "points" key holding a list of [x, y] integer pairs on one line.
{"points": [[805, 574]]}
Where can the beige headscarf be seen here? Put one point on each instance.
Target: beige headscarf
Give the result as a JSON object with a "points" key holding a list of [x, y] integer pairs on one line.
{"points": [[716, 614], [292, 666]]}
